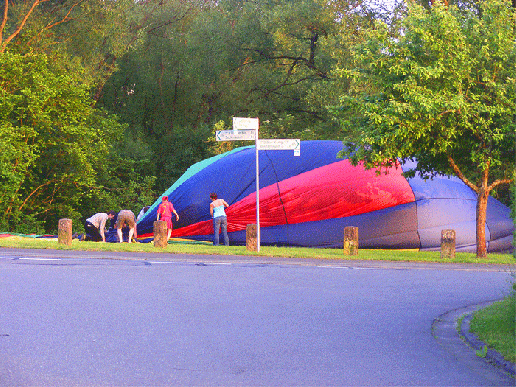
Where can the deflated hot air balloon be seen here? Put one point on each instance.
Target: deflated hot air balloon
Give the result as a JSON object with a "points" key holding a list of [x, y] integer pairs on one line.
{"points": [[307, 201]]}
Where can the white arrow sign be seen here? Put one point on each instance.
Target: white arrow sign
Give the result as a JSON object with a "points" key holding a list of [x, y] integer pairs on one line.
{"points": [[275, 144], [245, 123], [234, 135]]}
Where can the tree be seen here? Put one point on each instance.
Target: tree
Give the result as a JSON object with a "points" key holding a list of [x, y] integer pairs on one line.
{"points": [[442, 91], [197, 64], [55, 141], [85, 37], [284, 56], [58, 158]]}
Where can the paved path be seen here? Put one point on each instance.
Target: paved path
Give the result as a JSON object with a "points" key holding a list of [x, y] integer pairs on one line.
{"points": [[118, 319]]}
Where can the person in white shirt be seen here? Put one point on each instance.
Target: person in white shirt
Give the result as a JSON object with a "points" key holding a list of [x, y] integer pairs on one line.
{"points": [[95, 226]]}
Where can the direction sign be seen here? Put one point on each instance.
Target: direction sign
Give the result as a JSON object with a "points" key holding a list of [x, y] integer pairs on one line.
{"points": [[276, 144], [245, 123], [234, 135]]}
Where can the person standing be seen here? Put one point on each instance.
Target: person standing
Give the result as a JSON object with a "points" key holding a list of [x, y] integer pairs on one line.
{"points": [[95, 226], [220, 219], [165, 211], [126, 217]]}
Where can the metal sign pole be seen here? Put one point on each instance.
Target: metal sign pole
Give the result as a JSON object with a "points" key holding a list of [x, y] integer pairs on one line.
{"points": [[257, 195], [242, 130]]}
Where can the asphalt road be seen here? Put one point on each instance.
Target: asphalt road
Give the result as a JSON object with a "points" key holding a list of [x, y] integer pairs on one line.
{"points": [[122, 319]]}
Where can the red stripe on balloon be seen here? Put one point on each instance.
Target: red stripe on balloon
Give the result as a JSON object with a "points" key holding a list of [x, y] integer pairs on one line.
{"points": [[337, 190]]}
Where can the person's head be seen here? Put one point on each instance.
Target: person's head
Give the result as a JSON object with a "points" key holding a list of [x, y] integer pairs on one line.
{"points": [[213, 196], [111, 214], [164, 198]]}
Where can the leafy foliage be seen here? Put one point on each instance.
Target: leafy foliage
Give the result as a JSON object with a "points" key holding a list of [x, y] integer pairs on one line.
{"points": [[59, 157], [84, 37], [54, 140], [442, 91], [197, 64]]}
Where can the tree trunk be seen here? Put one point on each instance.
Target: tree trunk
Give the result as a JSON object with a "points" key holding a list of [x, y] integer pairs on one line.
{"points": [[483, 195]]}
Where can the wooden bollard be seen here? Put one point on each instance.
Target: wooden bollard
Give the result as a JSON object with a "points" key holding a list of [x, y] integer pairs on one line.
{"points": [[251, 237], [447, 244], [64, 231], [350, 240], [160, 233]]}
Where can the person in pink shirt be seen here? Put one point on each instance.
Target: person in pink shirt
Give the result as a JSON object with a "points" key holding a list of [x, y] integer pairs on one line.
{"points": [[165, 211]]}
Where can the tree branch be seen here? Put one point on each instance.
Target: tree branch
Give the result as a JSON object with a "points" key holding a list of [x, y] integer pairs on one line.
{"points": [[4, 20], [63, 20], [34, 191], [22, 23], [65, 17], [295, 59], [461, 176], [496, 183]]}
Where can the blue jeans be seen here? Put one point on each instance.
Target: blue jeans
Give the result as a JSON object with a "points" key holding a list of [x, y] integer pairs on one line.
{"points": [[218, 222]]}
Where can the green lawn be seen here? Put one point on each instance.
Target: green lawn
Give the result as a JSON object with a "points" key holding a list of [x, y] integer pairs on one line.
{"points": [[494, 325], [206, 248]]}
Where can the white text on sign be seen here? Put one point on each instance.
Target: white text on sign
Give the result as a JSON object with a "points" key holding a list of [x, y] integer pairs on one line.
{"points": [[276, 144], [245, 123], [235, 135]]}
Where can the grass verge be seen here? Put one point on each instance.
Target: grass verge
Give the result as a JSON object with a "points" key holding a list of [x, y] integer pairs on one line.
{"points": [[179, 246], [495, 326]]}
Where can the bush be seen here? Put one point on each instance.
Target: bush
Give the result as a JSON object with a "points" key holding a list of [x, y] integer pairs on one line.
{"points": [[22, 224]]}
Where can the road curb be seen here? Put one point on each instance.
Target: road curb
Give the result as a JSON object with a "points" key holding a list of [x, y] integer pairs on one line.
{"points": [[462, 344]]}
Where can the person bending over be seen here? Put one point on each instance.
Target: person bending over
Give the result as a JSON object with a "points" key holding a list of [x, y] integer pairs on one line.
{"points": [[126, 217], [95, 226]]}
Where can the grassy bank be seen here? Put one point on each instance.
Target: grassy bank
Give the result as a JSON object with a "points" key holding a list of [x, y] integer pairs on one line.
{"points": [[495, 326], [178, 246]]}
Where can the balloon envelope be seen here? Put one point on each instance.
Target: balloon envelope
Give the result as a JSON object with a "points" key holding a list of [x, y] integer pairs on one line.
{"points": [[307, 200]]}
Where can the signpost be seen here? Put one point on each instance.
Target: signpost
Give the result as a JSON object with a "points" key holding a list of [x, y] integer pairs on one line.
{"points": [[245, 123], [276, 144], [246, 129], [234, 135]]}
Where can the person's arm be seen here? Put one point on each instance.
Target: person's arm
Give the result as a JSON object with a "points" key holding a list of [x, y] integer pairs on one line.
{"points": [[211, 209], [225, 203], [157, 213], [173, 210]]}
